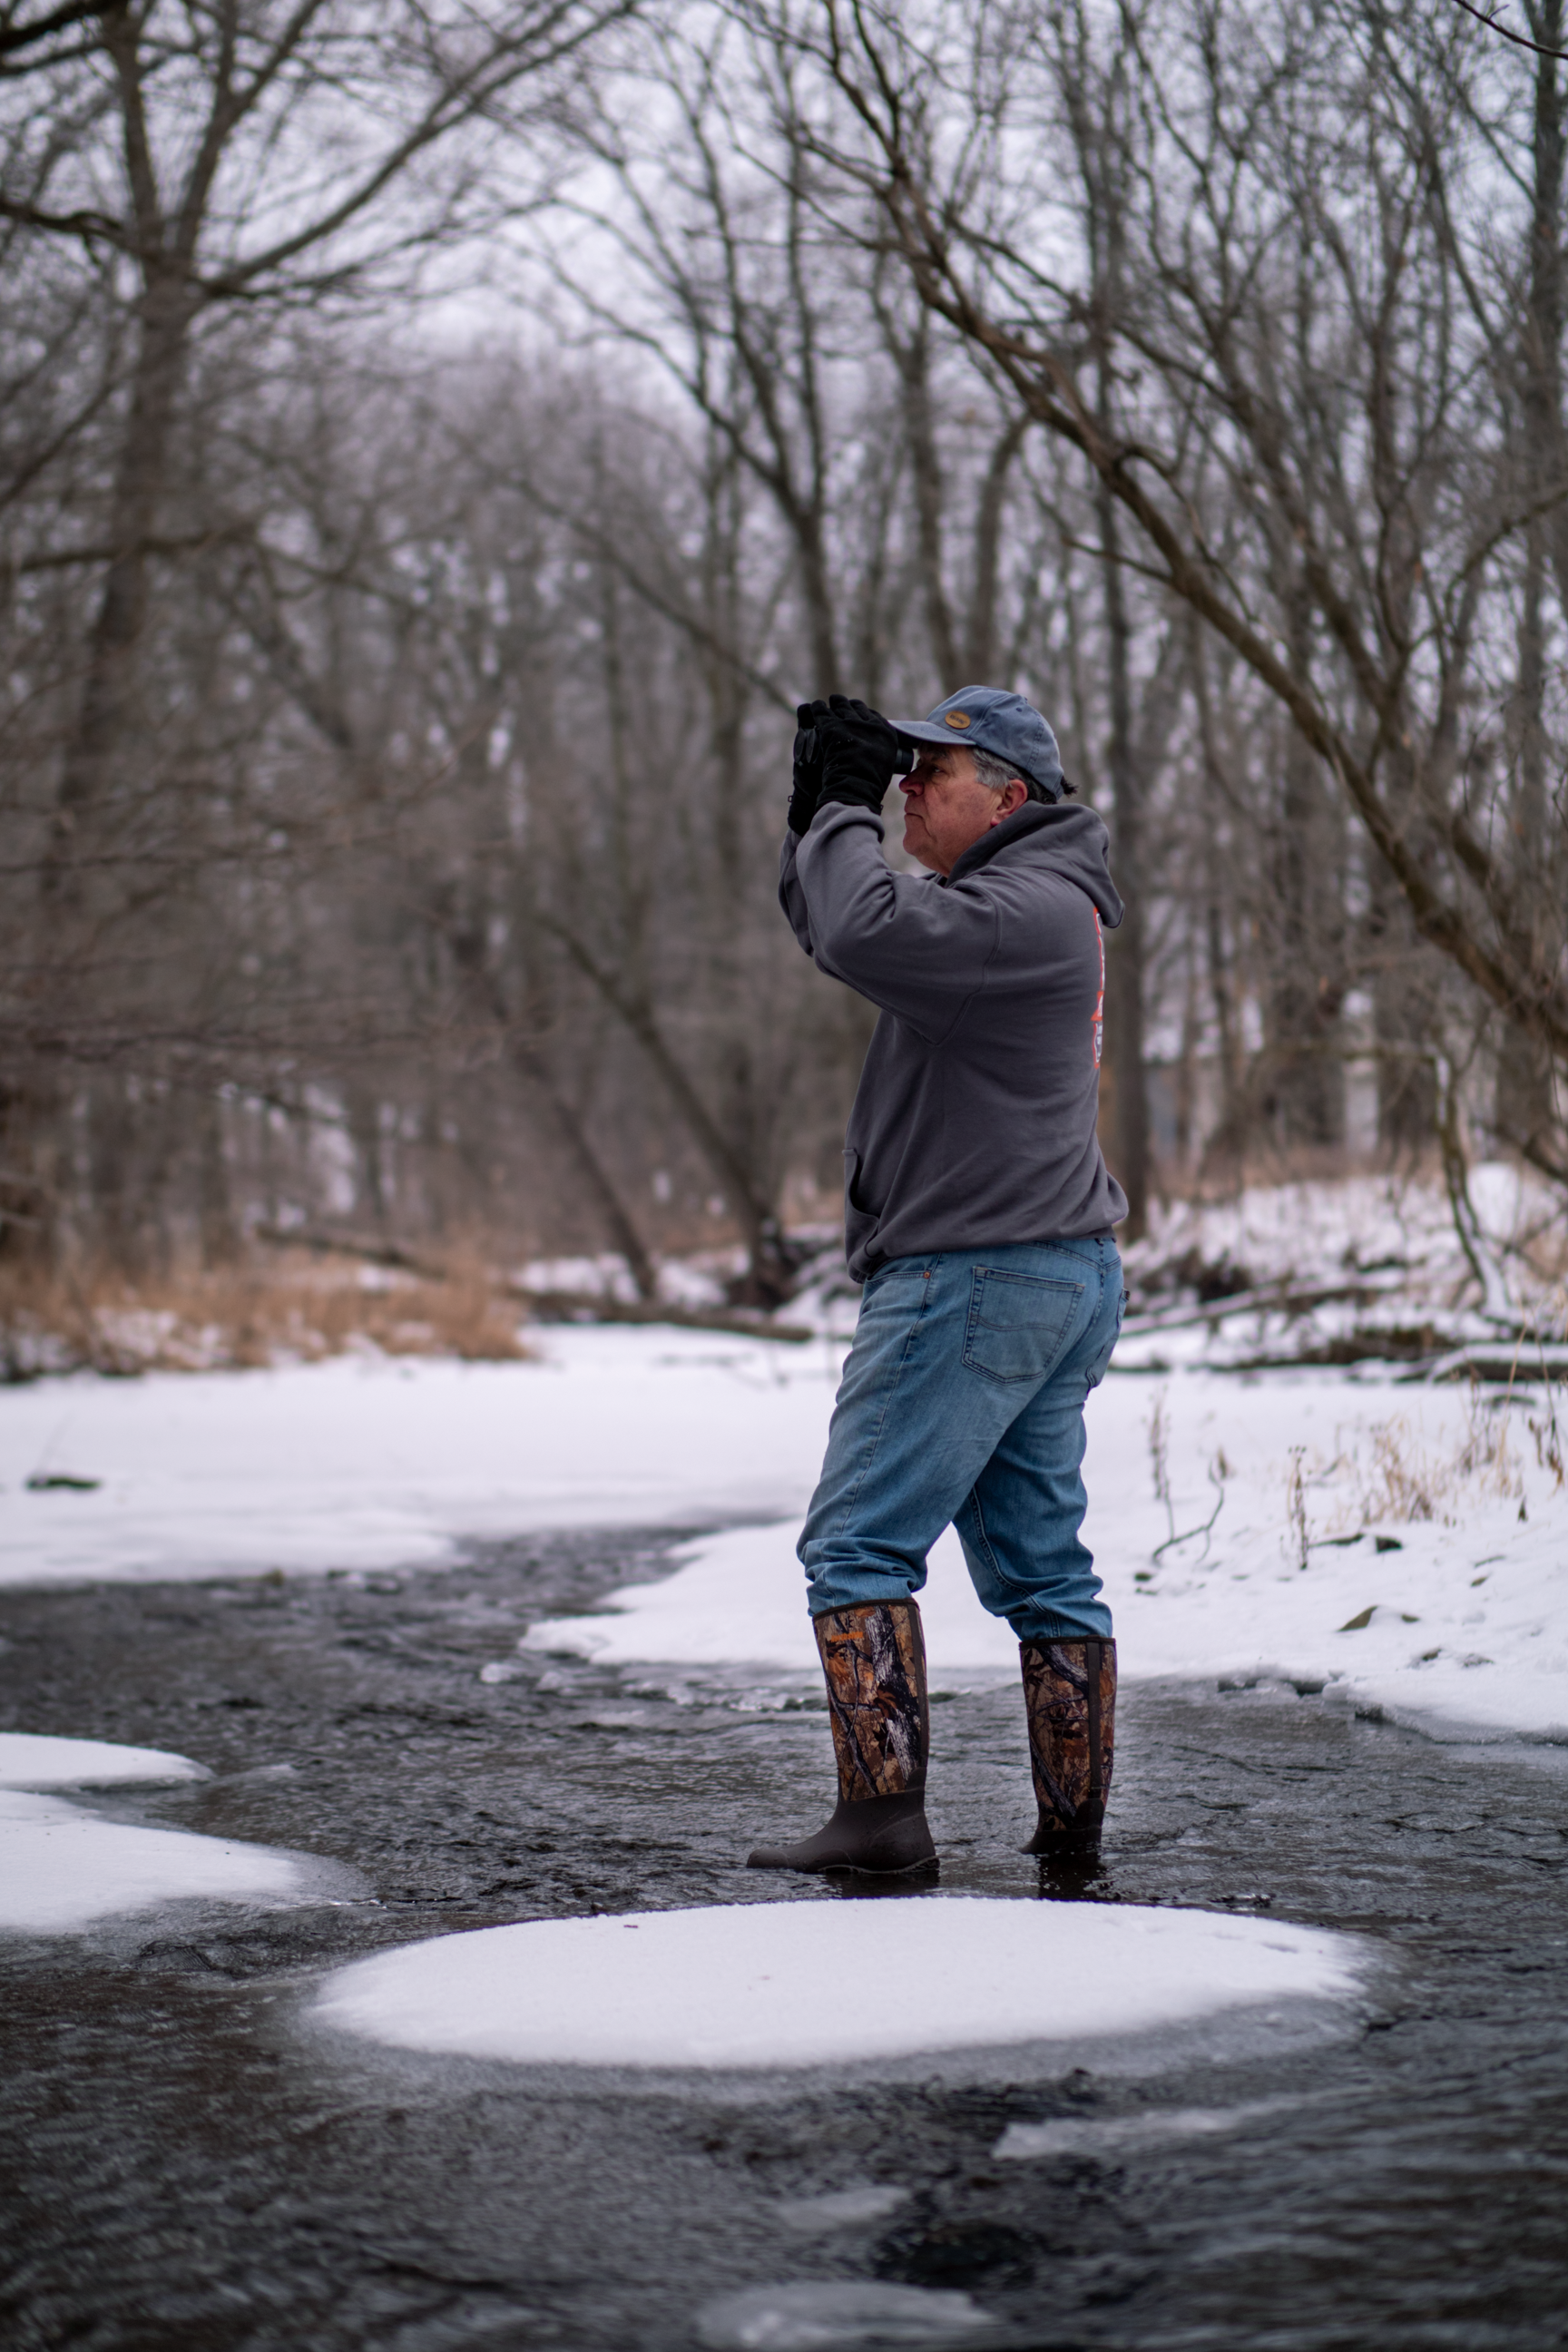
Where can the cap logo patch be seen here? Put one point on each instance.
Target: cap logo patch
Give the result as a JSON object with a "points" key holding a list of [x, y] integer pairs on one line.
{"points": [[956, 717]]}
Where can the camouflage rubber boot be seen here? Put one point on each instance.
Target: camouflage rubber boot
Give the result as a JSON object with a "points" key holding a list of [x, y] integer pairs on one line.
{"points": [[873, 1658], [1069, 1695]]}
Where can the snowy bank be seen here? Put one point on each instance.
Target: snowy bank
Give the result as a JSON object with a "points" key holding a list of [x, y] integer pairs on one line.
{"points": [[62, 1868], [1334, 1272], [1433, 1528], [1456, 1616], [768, 1984]]}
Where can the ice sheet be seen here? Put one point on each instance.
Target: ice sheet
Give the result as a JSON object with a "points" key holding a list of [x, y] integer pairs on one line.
{"points": [[807, 1984]]}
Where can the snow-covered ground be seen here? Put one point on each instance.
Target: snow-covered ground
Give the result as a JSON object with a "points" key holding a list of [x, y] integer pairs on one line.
{"points": [[1409, 1545], [1314, 1570], [763, 1985], [63, 1868], [367, 1461], [1364, 1267]]}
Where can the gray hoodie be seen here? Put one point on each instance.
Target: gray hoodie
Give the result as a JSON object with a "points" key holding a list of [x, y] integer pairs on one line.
{"points": [[973, 1123]]}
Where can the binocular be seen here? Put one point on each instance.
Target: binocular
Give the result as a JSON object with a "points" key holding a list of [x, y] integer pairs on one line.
{"points": [[809, 751]]}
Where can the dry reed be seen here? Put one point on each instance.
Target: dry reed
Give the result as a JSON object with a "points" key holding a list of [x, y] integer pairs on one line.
{"points": [[247, 1315]]}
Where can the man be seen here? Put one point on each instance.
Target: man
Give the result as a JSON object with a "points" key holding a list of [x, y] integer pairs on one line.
{"points": [[978, 1215]]}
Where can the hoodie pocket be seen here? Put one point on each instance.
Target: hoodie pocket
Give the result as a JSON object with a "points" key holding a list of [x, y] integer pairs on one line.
{"points": [[1020, 1325]]}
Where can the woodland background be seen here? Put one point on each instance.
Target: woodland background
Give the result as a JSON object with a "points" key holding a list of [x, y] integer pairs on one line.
{"points": [[440, 443]]}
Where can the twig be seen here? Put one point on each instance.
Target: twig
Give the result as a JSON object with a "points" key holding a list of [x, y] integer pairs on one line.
{"points": [[1217, 1480], [1519, 41]]}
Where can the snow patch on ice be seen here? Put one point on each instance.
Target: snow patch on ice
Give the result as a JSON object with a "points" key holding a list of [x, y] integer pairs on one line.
{"points": [[1104, 2135], [817, 2313], [761, 1985], [840, 2209], [740, 1599], [62, 1868], [30, 1761]]}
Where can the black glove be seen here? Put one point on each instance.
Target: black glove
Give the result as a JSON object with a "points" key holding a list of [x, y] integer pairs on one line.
{"points": [[805, 780], [859, 753]]}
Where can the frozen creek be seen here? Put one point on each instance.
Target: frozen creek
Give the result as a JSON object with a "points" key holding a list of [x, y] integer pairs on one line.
{"points": [[188, 2162]]}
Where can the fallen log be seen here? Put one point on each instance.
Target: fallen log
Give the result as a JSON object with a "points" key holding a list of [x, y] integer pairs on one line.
{"points": [[592, 1307], [544, 1306], [324, 1241]]}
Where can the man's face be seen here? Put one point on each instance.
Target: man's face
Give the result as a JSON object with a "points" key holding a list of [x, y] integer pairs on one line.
{"points": [[947, 808]]}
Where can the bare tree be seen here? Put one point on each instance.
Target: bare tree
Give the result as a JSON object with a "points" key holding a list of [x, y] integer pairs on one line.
{"points": [[1364, 432]]}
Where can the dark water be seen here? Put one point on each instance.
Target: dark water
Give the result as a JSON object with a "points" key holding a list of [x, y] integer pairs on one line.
{"points": [[183, 2166]]}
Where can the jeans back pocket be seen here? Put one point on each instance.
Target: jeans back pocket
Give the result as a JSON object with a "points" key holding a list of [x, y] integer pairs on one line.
{"points": [[1019, 1324]]}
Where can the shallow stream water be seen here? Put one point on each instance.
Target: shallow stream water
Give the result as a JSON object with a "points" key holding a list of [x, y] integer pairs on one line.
{"points": [[187, 2165]]}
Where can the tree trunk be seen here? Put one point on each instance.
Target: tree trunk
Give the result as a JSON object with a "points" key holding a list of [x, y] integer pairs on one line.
{"points": [[619, 1228], [771, 1275], [979, 641], [1126, 949], [1306, 1094], [109, 711], [1525, 1108], [1406, 1090], [215, 1207], [913, 361]]}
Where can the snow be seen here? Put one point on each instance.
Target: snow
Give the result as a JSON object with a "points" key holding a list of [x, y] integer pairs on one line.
{"points": [[813, 2313], [1367, 1265], [62, 1868], [762, 1984], [1468, 1628], [1146, 2128], [840, 2209], [30, 1760], [371, 1462], [368, 1463]]}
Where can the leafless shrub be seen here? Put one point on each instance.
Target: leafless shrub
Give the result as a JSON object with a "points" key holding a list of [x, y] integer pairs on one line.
{"points": [[1548, 1437], [1396, 1477], [1487, 1459], [1295, 1536]]}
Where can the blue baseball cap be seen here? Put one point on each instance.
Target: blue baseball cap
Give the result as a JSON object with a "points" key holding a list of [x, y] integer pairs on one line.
{"points": [[989, 718]]}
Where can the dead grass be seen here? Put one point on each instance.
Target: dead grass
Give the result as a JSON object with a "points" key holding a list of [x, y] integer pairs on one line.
{"points": [[1392, 1474], [281, 1310]]}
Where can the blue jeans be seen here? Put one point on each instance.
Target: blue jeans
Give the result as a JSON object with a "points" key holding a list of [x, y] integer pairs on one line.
{"points": [[962, 1401]]}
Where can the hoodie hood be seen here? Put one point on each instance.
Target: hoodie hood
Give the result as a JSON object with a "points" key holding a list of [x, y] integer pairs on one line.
{"points": [[1068, 838]]}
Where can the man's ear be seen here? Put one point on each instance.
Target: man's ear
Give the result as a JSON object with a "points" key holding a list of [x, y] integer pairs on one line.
{"points": [[1013, 797]]}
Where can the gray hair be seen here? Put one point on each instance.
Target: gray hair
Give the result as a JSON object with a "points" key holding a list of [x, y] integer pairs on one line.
{"points": [[996, 775]]}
